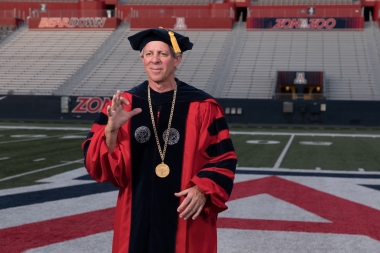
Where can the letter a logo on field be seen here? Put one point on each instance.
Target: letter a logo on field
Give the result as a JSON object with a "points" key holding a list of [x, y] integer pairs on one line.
{"points": [[180, 24], [300, 78]]}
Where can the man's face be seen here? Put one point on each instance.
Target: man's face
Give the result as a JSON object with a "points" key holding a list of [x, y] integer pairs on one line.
{"points": [[159, 63]]}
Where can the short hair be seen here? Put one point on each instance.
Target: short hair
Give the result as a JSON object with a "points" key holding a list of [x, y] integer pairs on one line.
{"points": [[174, 54]]}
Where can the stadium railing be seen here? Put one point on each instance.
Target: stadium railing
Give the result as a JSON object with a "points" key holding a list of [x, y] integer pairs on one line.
{"points": [[295, 13], [186, 13]]}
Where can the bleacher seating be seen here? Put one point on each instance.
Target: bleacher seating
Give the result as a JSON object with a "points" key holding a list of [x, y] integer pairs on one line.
{"points": [[5, 30], [342, 55], [307, 2], [38, 62], [122, 68], [166, 2], [227, 64]]}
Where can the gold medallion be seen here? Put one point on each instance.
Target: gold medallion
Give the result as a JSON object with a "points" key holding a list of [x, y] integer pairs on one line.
{"points": [[162, 170]]}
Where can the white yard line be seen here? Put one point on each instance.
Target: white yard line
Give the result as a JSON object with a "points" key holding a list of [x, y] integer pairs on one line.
{"points": [[46, 128], [31, 139], [281, 157], [35, 171], [37, 138], [308, 134]]}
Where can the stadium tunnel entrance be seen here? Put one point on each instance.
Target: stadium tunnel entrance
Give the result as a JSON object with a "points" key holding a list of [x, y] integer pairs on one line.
{"points": [[241, 11], [368, 11]]}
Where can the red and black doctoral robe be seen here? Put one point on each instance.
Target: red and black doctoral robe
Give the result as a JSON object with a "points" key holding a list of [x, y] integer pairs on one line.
{"points": [[200, 152]]}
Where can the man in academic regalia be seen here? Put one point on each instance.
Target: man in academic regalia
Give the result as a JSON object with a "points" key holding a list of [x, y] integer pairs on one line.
{"points": [[166, 145]]}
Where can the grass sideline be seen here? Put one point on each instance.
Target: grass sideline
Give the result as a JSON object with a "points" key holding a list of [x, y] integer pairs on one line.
{"points": [[34, 149]]}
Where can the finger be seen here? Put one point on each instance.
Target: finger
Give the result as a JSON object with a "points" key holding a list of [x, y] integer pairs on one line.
{"points": [[125, 101], [114, 103], [134, 112], [191, 208], [109, 111], [184, 203], [182, 193], [199, 210], [118, 97], [189, 211]]}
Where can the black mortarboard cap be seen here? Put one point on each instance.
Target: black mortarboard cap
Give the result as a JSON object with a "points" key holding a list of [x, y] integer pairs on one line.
{"points": [[179, 42]]}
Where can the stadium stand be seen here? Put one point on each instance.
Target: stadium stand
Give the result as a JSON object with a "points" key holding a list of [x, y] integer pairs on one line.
{"points": [[38, 62], [342, 55], [236, 63], [228, 64], [307, 2], [167, 2], [5, 31], [122, 68]]}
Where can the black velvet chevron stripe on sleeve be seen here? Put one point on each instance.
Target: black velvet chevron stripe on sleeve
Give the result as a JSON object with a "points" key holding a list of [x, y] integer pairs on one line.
{"points": [[102, 119], [229, 164], [85, 148], [217, 126], [89, 135], [223, 181], [220, 148]]}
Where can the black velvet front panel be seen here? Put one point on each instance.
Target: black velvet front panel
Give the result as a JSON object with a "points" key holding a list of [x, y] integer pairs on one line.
{"points": [[154, 206]]}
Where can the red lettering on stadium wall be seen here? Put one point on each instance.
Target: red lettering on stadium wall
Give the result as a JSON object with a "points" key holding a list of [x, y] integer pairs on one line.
{"points": [[72, 22], [304, 23], [91, 105]]}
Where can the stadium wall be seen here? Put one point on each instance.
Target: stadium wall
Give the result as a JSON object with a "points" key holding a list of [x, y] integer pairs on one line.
{"points": [[199, 17], [301, 11], [253, 111]]}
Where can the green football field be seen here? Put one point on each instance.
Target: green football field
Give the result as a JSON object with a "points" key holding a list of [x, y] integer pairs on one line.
{"points": [[31, 151]]}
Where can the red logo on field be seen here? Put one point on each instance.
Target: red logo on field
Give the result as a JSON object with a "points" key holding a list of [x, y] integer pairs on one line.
{"points": [[346, 217]]}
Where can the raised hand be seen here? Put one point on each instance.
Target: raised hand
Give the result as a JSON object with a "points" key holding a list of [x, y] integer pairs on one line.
{"points": [[117, 116]]}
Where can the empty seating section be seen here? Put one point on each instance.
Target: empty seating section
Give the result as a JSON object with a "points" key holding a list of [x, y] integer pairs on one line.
{"points": [[307, 2], [38, 62], [123, 69], [198, 65], [342, 55], [5, 31], [166, 2], [39, 1]]}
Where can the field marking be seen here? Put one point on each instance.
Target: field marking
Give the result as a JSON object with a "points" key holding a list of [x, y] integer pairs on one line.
{"points": [[4, 158], [316, 143], [284, 151], [262, 142], [35, 171], [308, 134], [34, 139], [46, 128], [31, 139], [28, 135], [39, 159]]}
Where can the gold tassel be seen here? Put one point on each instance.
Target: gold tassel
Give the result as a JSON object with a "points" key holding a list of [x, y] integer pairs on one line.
{"points": [[173, 40]]}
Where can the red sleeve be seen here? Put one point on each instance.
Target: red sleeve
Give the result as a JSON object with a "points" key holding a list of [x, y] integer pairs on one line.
{"points": [[217, 172], [99, 162]]}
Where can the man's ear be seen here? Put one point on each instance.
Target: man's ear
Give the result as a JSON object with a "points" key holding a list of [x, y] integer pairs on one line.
{"points": [[178, 60]]}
